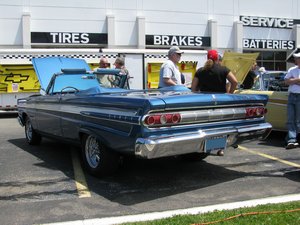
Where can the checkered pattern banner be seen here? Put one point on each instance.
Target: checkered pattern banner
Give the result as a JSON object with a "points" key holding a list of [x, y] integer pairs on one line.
{"points": [[80, 56], [152, 56]]}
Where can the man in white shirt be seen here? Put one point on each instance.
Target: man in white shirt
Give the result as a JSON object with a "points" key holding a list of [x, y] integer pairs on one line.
{"points": [[169, 73], [292, 78]]}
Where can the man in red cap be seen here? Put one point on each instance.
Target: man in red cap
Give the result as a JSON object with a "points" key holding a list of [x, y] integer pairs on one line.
{"points": [[212, 77]]}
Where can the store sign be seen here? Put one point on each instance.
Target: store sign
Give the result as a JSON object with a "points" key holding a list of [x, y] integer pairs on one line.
{"points": [[269, 44], [68, 38], [183, 41], [255, 21]]}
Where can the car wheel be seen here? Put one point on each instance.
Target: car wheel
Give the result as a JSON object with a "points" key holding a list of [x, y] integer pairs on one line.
{"points": [[97, 159], [32, 137], [193, 157]]}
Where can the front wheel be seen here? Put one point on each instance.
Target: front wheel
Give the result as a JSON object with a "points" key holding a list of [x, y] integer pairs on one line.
{"points": [[97, 159], [32, 137]]}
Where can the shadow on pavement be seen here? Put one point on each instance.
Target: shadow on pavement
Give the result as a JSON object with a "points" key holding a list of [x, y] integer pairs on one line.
{"points": [[137, 180]]}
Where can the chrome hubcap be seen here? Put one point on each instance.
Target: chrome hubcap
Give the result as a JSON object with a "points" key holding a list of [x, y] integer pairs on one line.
{"points": [[92, 151], [28, 130]]}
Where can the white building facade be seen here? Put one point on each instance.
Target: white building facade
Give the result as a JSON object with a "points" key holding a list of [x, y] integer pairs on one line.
{"points": [[225, 25]]}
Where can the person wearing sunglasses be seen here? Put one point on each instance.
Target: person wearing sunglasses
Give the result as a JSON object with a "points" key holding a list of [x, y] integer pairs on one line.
{"points": [[169, 74], [103, 63]]}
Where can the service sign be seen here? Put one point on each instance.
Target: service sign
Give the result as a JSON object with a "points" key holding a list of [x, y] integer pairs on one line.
{"points": [[268, 44], [178, 40], [66, 38], [271, 22], [256, 21]]}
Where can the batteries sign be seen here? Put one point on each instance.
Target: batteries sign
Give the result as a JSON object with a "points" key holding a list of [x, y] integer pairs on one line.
{"points": [[269, 44]]}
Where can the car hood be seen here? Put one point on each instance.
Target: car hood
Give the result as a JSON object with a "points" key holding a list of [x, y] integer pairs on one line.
{"points": [[46, 67], [239, 63]]}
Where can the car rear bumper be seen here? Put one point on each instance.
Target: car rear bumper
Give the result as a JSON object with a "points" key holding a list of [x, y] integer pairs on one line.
{"points": [[184, 143]]}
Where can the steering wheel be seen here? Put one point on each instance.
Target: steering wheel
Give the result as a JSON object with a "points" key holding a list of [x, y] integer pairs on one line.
{"points": [[69, 87], [116, 81]]}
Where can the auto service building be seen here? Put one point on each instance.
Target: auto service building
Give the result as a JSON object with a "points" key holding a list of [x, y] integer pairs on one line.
{"points": [[231, 25]]}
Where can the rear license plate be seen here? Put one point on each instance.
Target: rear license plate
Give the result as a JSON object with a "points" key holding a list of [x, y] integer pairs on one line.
{"points": [[214, 144]]}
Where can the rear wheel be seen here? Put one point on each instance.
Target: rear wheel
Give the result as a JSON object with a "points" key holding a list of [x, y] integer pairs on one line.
{"points": [[97, 159], [32, 137]]}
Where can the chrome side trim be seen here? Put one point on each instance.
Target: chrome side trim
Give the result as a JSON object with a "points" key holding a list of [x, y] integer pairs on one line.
{"points": [[189, 142]]}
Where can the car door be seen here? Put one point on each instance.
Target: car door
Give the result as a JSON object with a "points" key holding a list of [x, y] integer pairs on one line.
{"points": [[47, 114], [48, 106]]}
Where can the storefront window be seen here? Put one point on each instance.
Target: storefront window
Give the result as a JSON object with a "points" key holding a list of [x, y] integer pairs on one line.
{"points": [[267, 56], [268, 65], [280, 55], [271, 60], [280, 66]]}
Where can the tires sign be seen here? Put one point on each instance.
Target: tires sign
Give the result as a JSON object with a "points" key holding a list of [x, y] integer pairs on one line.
{"points": [[66, 38]]}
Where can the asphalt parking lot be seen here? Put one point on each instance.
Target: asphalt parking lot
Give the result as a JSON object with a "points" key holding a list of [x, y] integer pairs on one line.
{"points": [[45, 184]]}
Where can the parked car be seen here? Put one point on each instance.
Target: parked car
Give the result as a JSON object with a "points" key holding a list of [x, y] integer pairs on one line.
{"points": [[271, 83], [108, 121]]}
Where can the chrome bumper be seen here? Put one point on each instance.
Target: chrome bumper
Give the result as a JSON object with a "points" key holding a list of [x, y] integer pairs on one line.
{"points": [[21, 121], [183, 143]]}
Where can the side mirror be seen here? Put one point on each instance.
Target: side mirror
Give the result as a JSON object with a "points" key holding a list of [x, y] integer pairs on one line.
{"points": [[42, 91]]}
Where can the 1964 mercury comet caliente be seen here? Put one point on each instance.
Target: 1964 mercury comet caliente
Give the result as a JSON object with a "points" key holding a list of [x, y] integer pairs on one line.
{"points": [[92, 110]]}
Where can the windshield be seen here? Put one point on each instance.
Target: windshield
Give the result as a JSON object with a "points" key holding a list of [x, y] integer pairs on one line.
{"points": [[80, 82], [271, 81]]}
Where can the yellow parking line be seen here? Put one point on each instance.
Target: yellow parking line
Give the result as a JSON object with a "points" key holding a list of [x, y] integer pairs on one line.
{"points": [[269, 157], [81, 185]]}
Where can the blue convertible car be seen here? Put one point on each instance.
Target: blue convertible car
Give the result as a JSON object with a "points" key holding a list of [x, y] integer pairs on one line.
{"points": [[92, 110]]}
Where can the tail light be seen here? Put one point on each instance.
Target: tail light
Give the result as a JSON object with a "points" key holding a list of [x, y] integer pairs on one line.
{"points": [[202, 116], [152, 120], [255, 112], [162, 119]]}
